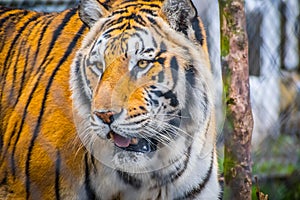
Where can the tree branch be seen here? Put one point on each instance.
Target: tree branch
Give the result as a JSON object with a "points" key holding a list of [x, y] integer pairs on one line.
{"points": [[237, 162]]}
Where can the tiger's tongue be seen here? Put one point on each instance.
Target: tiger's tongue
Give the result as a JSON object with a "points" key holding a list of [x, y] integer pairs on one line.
{"points": [[121, 141]]}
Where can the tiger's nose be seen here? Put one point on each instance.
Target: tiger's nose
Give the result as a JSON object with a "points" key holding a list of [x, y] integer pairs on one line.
{"points": [[106, 117]]}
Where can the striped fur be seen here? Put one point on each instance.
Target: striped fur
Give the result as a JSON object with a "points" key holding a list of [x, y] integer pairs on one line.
{"points": [[113, 100]]}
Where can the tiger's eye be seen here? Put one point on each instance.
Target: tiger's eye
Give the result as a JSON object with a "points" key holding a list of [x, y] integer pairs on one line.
{"points": [[142, 63]]}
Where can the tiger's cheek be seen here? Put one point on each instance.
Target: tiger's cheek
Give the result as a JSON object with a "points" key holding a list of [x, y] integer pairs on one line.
{"points": [[137, 103], [155, 74], [92, 79], [110, 91]]}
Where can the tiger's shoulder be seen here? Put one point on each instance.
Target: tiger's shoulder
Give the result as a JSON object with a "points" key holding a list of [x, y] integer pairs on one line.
{"points": [[36, 51]]}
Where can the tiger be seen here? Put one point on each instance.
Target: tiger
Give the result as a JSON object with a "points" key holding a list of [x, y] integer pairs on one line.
{"points": [[113, 99]]}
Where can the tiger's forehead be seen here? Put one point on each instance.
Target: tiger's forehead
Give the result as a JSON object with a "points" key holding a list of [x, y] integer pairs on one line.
{"points": [[135, 44], [136, 5], [129, 28], [131, 15]]}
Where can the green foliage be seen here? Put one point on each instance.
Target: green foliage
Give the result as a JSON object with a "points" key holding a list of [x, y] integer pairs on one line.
{"points": [[225, 46], [276, 166]]}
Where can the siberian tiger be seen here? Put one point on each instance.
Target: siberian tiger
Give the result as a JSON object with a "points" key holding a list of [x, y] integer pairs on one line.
{"points": [[113, 100]]}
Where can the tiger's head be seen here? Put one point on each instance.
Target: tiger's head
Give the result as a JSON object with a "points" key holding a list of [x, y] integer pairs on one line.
{"points": [[141, 82]]}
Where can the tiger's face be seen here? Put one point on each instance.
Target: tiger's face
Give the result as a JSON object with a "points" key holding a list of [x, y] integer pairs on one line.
{"points": [[138, 82]]}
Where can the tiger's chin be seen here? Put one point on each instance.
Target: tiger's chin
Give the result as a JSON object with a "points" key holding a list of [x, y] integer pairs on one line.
{"points": [[133, 144], [136, 155], [132, 162]]}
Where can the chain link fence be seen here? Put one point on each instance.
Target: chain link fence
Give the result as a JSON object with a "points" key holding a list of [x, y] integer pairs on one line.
{"points": [[41, 5], [273, 29], [274, 52]]}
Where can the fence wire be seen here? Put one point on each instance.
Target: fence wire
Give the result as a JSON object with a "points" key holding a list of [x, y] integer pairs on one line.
{"points": [[41, 5], [273, 30]]}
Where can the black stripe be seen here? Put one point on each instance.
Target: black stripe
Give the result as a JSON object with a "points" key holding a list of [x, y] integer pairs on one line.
{"points": [[4, 10], [129, 1], [22, 47], [115, 22], [94, 164], [138, 19], [13, 43], [207, 127], [198, 30], [12, 88], [142, 48], [193, 193], [119, 12], [35, 57], [163, 47], [174, 175], [152, 20], [79, 74], [84, 77], [41, 34], [104, 3], [157, 93], [174, 70], [154, 6], [18, 14], [22, 122], [190, 76], [132, 16], [154, 42], [23, 77], [107, 32], [5, 66], [128, 179], [170, 95], [155, 26], [159, 195], [1, 142], [205, 101], [9, 56], [3, 181], [142, 108], [135, 4], [186, 161], [57, 175], [161, 77], [137, 122], [57, 33], [90, 193], [153, 102], [148, 11], [160, 60], [51, 79]]}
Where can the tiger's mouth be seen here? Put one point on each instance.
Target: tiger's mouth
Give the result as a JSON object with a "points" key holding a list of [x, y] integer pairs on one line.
{"points": [[141, 145]]}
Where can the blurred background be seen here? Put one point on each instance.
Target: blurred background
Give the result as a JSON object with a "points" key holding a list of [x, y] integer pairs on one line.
{"points": [[274, 58], [273, 28], [41, 5]]}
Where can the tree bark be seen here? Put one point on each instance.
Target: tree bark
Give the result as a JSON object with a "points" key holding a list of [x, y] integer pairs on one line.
{"points": [[237, 152]]}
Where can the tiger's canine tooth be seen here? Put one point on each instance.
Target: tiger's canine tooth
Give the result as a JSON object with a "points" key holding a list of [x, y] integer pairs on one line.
{"points": [[134, 141]]}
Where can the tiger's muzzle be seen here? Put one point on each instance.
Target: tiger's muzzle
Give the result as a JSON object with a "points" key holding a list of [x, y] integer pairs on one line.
{"points": [[134, 144], [142, 145]]}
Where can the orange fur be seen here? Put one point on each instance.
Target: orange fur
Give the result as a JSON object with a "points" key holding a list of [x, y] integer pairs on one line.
{"points": [[30, 129]]}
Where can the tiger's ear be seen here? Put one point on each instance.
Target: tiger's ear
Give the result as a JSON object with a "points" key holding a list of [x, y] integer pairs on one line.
{"points": [[90, 11], [179, 14]]}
